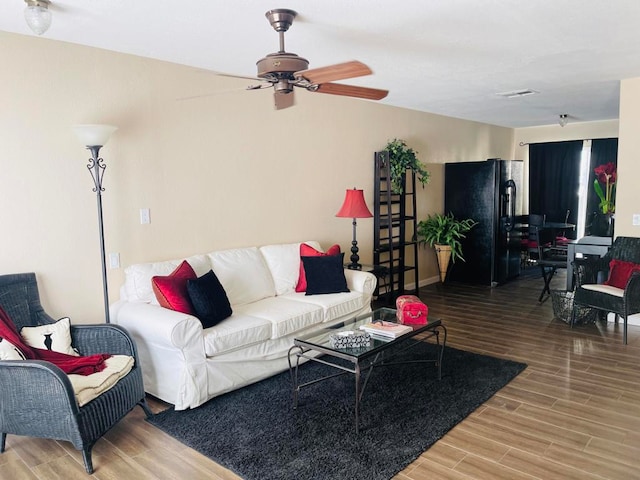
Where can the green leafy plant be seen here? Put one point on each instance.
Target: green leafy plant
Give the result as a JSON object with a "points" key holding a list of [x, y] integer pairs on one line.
{"points": [[402, 158], [441, 229]]}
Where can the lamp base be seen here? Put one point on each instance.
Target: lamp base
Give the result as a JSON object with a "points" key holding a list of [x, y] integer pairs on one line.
{"points": [[354, 265]]}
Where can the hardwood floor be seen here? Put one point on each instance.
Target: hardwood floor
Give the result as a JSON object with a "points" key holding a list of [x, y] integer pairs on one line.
{"points": [[574, 413]]}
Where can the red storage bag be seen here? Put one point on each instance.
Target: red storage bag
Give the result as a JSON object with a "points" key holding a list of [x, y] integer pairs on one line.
{"points": [[410, 310]]}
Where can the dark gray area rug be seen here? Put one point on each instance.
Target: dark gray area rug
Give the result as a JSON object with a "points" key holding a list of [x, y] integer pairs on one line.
{"points": [[256, 433]]}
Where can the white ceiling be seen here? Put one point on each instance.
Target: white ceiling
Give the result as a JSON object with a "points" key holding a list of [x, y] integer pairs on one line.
{"points": [[449, 57]]}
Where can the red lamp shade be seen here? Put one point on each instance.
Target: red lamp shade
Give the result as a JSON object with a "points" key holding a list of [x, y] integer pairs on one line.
{"points": [[354, 205]]}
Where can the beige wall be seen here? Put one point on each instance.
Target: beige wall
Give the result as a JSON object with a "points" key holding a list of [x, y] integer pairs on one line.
{"points": [[217, 172], [628, 193]]}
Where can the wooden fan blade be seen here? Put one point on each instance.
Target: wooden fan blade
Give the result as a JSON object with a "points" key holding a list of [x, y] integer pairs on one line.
{"points": [[352, 91], [283, 100], [339, 71], [240, 76]]}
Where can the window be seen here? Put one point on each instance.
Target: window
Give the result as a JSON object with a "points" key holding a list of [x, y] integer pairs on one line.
{"points": [[561, 179]]}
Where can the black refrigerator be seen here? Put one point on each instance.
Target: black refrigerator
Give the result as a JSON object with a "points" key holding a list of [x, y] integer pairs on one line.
{"points": [[489, 192]]}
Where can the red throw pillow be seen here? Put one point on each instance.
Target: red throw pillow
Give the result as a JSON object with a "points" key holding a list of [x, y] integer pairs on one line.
{"points": [[307, 251], [620, 272], [171, 291]]}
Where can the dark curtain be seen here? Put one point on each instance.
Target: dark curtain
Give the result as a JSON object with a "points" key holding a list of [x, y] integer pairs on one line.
{"points": [[554, 180], [603, 150]]}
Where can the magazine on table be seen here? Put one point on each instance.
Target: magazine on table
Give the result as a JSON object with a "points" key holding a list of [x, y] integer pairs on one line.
{"points": [[386, 329]]}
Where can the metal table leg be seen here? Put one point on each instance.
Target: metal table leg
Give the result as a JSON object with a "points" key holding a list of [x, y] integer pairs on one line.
{"points": [[294, 373]]}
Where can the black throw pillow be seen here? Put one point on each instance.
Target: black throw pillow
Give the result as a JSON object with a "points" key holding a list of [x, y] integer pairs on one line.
{"points": [[325, 274], [209, 300]]}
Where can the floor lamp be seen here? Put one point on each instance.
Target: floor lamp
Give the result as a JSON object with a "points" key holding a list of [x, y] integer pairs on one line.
{"points": [[354, 207], [94, 137]]}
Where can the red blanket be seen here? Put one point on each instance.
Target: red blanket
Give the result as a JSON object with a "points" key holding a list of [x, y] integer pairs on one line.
{"points": [[68, 363]]}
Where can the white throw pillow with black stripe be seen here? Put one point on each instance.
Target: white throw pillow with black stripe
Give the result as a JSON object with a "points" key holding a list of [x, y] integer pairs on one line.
{"points": [[8, 351], [53, 336]]}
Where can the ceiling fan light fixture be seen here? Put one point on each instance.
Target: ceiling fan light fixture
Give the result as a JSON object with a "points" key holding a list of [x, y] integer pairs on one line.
{"points": [[563, 120], [283, 86], [37, 15]]}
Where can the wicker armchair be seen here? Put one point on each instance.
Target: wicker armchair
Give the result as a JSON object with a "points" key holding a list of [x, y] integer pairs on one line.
{"points": [[591, 271], [36, 397]]}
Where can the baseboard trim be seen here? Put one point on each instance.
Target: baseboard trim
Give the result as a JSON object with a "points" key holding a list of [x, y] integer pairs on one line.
{"points": [[631, 319], [424, 282]]}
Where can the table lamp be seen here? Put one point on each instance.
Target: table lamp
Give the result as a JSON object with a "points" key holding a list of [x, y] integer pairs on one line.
{"points": [[354, 207]]}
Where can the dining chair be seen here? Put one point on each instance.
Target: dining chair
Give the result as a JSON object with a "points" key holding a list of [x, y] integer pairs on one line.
{"points": [[523, 229], [535, 222], [561, 237], [550, 258]]}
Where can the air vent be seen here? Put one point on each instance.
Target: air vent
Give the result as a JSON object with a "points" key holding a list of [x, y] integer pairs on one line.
{"points": [[517, 93]]}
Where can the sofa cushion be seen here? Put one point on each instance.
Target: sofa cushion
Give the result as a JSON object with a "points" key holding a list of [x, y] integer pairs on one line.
{"points": [[334, 305], [620, 272], [171, 290], [325, 274], [284, 264], [236, 332], [286, 316], [137, 286], [244, 275], [210, 302], [309, 251]]}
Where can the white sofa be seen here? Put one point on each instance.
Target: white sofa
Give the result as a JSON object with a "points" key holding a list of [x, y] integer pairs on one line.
{"points": [[186, 365]]}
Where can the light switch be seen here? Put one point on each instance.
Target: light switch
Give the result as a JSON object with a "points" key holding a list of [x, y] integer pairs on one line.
{"points": [[114, 260], [145, 216], [636, 218]]}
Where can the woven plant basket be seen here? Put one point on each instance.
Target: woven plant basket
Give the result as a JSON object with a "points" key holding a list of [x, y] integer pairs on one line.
{"points": [[443, 253]]}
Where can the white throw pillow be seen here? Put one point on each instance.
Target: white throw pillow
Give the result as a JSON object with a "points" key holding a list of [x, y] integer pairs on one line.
{"points": [[53, 336], [8, 351], [244, 275], [284, 264], [137, 286]]}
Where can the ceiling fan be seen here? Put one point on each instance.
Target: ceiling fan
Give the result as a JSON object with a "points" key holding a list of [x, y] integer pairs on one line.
{"points": [[284, 70]]}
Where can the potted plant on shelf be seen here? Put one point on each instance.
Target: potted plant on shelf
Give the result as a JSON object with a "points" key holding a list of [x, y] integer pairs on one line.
{"points": [[444, 233], [402, 158]]}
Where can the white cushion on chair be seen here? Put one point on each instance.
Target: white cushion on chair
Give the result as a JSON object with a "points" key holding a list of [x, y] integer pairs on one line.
{"points": [[608, 289], [88, 387]]}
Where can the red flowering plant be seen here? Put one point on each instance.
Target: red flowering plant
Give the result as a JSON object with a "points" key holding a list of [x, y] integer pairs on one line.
{"points": [[606, 177]]}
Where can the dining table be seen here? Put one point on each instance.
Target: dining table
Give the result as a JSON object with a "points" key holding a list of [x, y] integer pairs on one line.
{"points": [[557, 226]]}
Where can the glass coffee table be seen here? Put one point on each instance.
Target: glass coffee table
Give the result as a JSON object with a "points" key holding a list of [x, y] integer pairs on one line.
{"points": [[360, 361]]}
